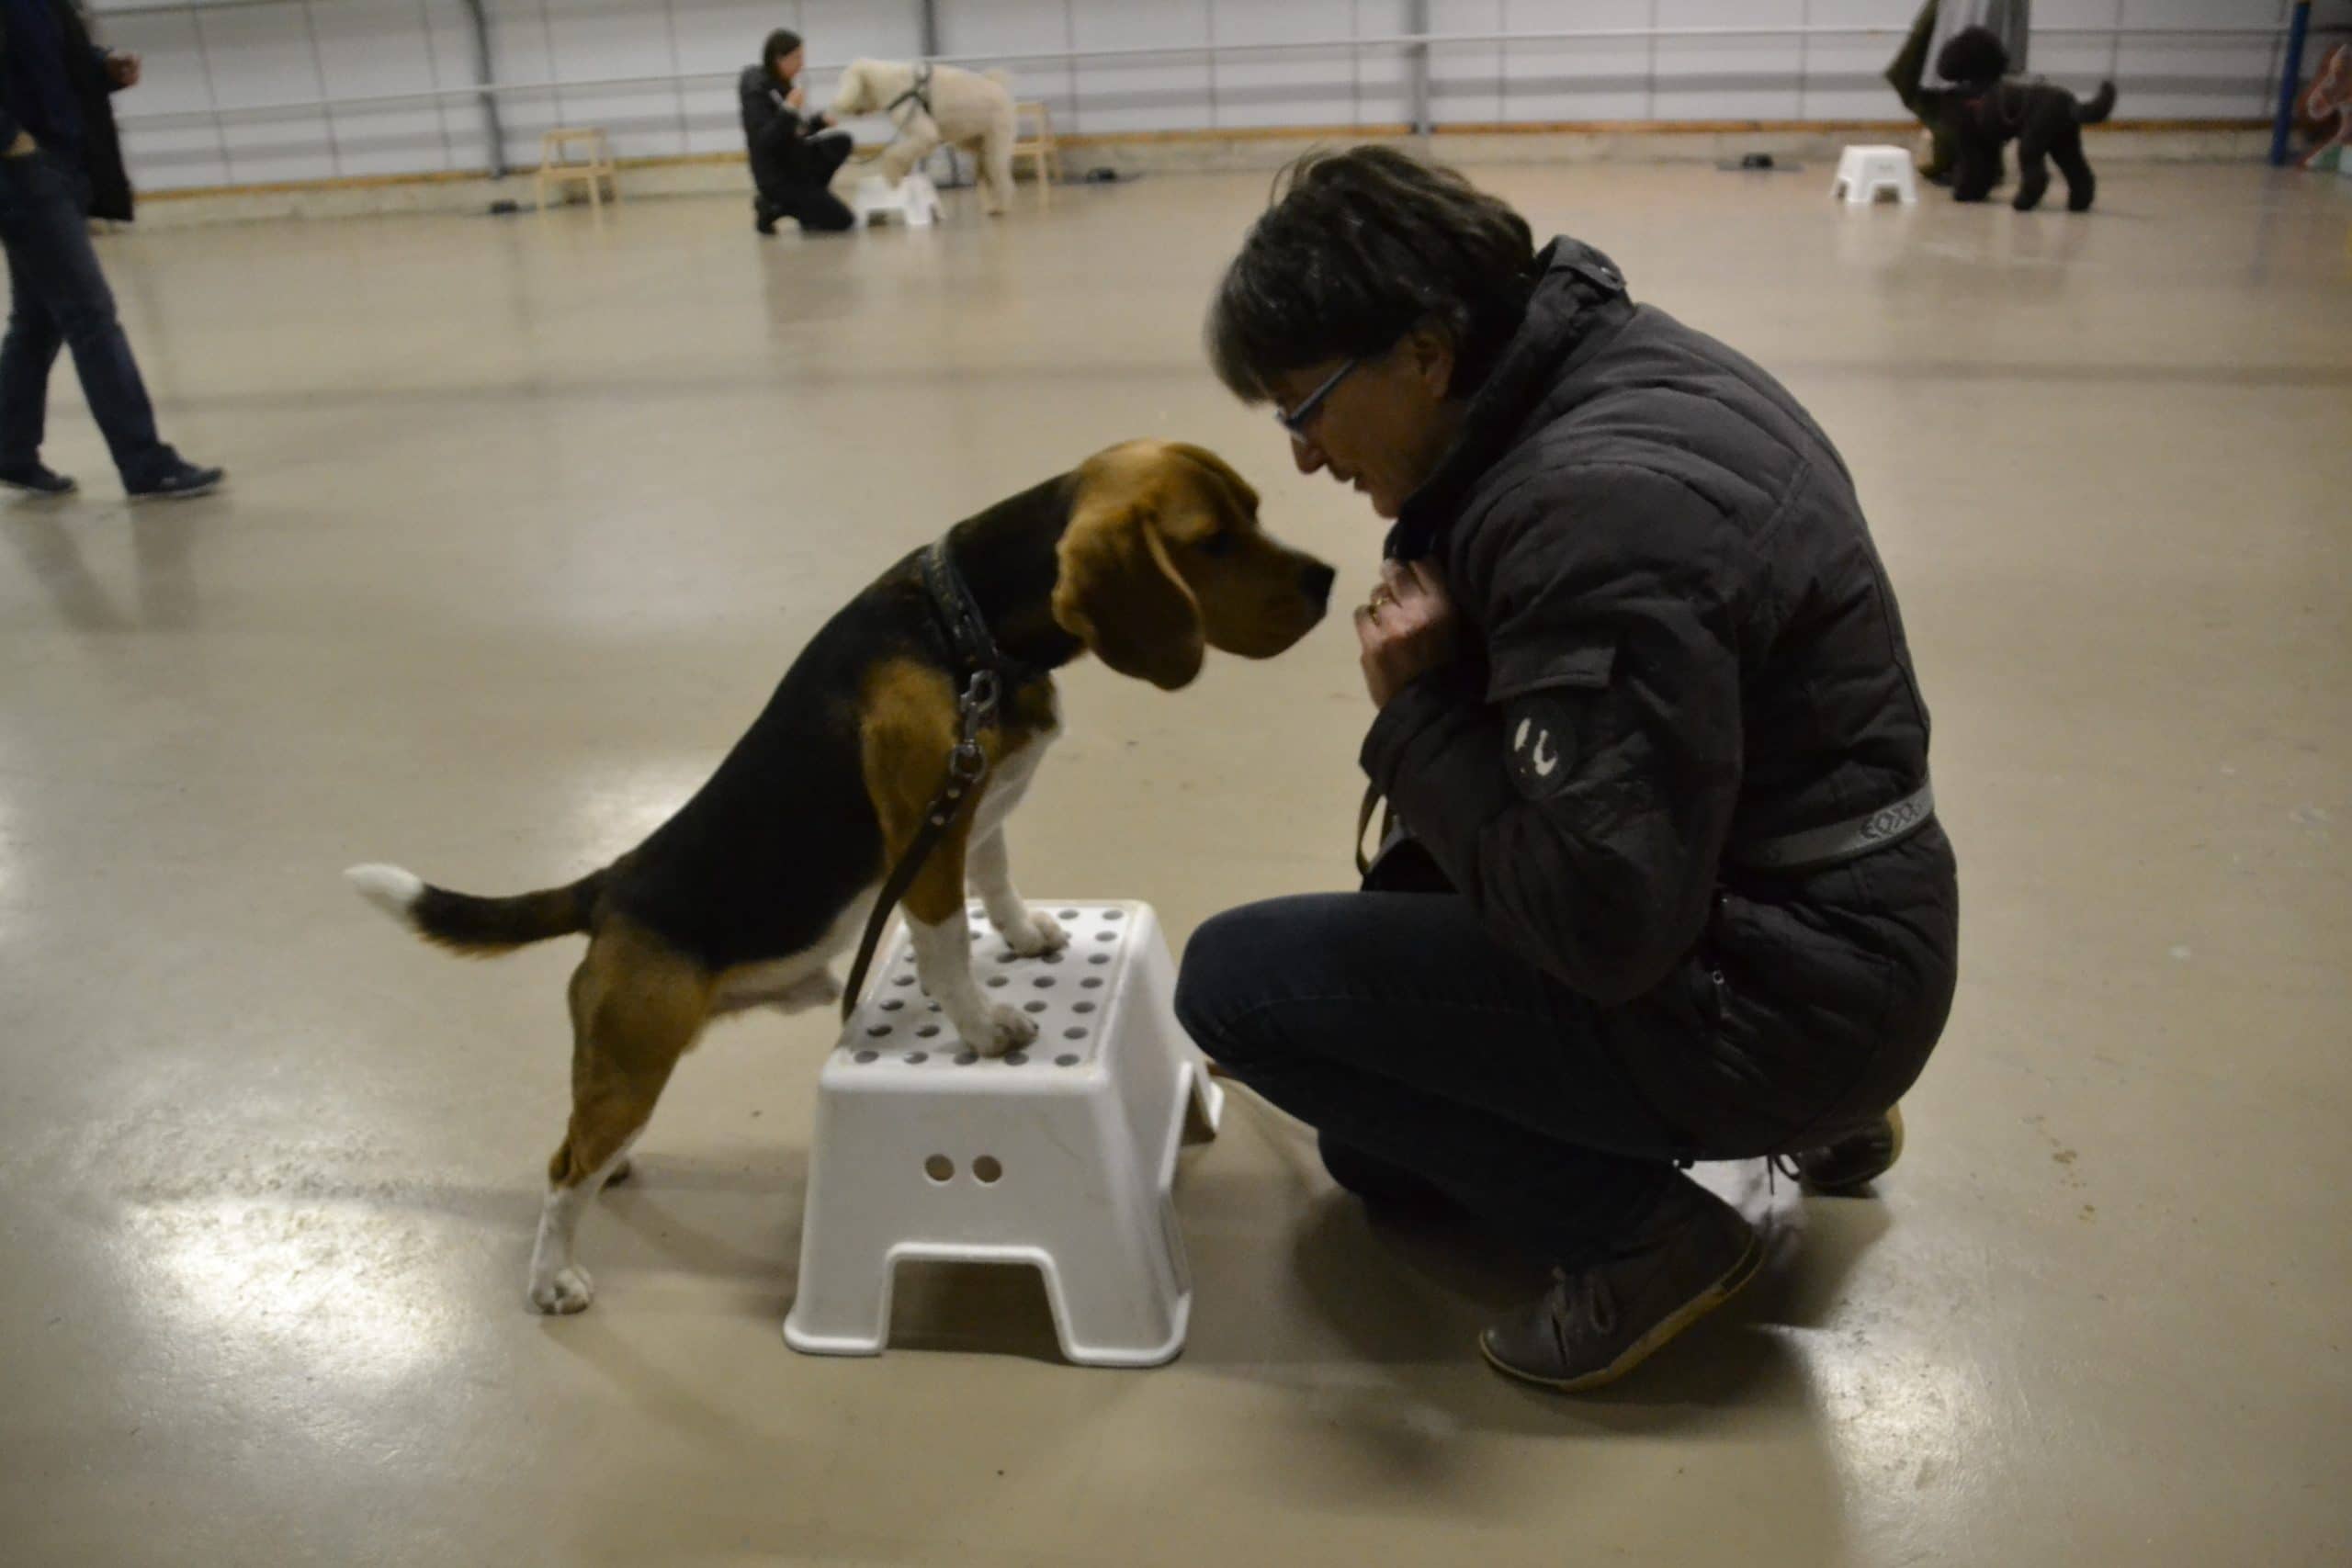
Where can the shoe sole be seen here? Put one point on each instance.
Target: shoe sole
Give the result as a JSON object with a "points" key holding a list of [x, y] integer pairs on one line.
{"points": [[1734, 1280], [1854, 1184], [176, 494], [34, 492]]}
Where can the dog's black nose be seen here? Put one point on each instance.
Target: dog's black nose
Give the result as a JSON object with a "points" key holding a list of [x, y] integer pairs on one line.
{"points": [[1315, 582]]}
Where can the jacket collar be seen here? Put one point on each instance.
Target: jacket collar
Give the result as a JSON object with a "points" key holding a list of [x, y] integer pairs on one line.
{"points": [[1578, 292]]}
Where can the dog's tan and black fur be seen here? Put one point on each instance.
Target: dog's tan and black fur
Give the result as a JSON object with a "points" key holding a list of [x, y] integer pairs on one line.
{"points": [[1146, 555]]}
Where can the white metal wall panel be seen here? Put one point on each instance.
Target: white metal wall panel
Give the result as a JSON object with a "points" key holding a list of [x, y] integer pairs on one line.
{"points": [[1578, 79], [1466, 79], [1731, 77], [1155, 93], [270, 66], [1290, 87]]}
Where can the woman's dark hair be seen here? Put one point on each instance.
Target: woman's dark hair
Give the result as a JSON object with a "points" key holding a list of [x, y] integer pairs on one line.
{"points": [[1359, 248], [781, 42]]}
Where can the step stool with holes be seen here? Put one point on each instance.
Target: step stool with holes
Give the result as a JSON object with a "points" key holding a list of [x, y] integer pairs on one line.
{"points": [[1866, 173], [915, 199], [1061, 1156]]}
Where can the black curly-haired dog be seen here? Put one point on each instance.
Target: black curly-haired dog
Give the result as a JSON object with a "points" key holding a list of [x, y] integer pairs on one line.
{"points": [[1983, 112]]}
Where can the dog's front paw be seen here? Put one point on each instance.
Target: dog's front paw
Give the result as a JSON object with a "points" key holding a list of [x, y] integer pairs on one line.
{"points": [[1035, 934], [567, 1291], [1006, 1028]]}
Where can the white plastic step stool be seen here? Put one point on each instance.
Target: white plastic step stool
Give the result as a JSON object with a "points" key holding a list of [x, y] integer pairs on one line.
{"points": [[1061, 1156], [915, 199], [1864, 173]]}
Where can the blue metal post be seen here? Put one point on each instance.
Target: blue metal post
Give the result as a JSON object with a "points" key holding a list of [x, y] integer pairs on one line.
{"points": [[2285, 124]]}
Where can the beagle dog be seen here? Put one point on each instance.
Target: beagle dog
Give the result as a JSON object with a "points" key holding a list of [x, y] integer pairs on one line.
{"points": [[1146, 555]]}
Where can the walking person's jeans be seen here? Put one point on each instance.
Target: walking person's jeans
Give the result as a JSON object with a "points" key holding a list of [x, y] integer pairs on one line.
{"points": [[1395, 1025], [59, 297]]}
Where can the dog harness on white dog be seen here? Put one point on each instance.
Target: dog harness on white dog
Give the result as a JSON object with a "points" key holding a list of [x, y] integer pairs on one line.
{"points": [[918, 95]]}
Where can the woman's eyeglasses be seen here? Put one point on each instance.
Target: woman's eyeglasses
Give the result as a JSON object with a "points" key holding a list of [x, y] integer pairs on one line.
{"points": [[1296, 420]]}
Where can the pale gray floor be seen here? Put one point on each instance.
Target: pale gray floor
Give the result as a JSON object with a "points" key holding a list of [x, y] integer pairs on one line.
{"points": [[527, 517]]}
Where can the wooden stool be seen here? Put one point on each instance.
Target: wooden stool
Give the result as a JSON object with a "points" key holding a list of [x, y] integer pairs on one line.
{"points": [[595, 170], [1039, 147]]}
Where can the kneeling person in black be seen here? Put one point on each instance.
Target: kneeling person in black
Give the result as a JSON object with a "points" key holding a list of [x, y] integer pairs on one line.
{"points": [[793, 156]]}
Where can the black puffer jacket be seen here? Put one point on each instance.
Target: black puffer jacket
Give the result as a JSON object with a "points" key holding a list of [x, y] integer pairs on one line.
{"points": [[1682, 649], [772, 130]]}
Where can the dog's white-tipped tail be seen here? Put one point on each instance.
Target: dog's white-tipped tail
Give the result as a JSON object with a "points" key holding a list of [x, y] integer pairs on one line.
{"points": [[390, 889], [464, 923]]}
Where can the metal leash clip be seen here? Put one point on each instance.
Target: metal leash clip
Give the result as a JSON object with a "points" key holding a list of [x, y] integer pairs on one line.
{"points": [[977, 709]]}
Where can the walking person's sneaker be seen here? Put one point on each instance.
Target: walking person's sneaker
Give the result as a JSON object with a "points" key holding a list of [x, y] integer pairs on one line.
{"points": [[178, 482], [763, 217], [1601, 1320], [32, 479], [1853, 1162]]}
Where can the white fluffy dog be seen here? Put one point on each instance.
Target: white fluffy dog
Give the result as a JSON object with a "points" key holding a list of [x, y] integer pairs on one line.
{"points": [[932, 104]]}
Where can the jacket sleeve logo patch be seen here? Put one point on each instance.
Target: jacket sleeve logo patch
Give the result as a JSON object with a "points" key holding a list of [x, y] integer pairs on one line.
{"points": [[1541, 747]]}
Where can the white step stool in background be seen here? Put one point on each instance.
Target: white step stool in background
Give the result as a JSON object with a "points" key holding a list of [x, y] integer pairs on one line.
{"points": [[1864, 172], [1061, 1156], [915, 199]]}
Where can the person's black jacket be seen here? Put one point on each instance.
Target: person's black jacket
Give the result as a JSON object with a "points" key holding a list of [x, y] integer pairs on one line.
{"points": [[772, 128], [94, 144], [1680, 642]]}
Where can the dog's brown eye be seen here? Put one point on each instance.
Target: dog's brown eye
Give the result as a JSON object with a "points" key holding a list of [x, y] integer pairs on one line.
{"points": [[1219, 544]]}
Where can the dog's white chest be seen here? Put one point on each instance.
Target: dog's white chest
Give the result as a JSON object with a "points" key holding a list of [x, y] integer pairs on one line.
{"points": [[1008, 782]]}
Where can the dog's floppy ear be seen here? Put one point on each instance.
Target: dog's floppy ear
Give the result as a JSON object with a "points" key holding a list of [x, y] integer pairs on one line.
{"points": [[1234, 492], [1118, 594]]}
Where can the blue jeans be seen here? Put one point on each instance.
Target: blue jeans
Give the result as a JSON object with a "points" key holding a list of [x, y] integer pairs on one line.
{"points": [[58, 296], [1399, 1030]]}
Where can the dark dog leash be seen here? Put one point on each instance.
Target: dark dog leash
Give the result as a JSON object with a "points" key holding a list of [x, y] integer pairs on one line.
{"points": [[1374, 802], [985, 668]]}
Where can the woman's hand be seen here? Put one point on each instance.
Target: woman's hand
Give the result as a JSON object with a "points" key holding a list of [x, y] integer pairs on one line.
{"points": [[1407, 630], [122, 69], [794, 98]]}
